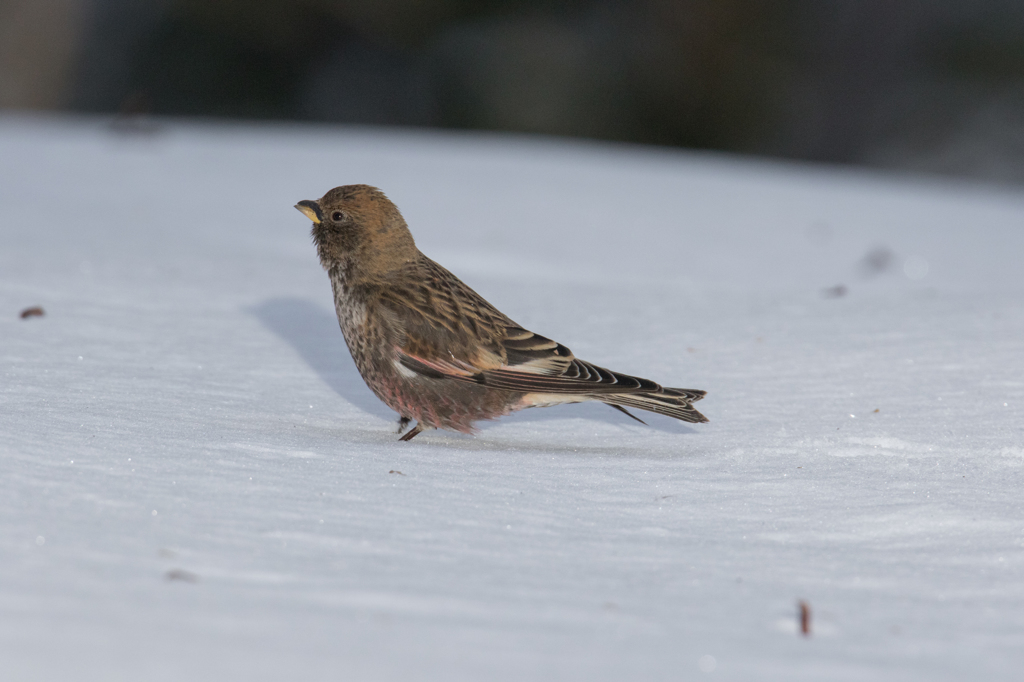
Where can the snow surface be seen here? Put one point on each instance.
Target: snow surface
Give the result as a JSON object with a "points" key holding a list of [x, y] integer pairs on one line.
{"points": [[195, 484]]}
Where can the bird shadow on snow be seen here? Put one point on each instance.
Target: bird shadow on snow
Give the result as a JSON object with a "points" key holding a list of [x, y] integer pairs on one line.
{"points": [[593, 411], [314, 334]]}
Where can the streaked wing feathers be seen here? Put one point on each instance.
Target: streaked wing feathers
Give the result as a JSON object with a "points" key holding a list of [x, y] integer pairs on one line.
{"points": [[444, 329], [529, 352], [579, 377], [653, 402]]}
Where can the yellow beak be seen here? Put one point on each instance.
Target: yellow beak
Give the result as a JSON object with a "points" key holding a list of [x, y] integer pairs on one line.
{"points": [[311, 209]]}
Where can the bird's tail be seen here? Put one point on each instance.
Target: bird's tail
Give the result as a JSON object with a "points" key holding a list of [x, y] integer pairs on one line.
{"points": [[671, 402]]}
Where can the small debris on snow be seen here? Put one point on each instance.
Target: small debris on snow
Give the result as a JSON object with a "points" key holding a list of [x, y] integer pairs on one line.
{"points": [[876, 261], [805, 618], [838, 291], [35, 311], [396, 471], [182, 575]]}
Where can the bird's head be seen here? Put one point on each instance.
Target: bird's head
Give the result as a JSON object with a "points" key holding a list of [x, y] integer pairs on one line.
{"points": [[357, 228]]}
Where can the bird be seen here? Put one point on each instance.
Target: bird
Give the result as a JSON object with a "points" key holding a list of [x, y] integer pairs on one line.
{"points": [[434, 350]]}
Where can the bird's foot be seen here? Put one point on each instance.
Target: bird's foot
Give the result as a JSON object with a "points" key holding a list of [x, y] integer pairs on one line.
{"points": [[402, 423], [413, 432]]}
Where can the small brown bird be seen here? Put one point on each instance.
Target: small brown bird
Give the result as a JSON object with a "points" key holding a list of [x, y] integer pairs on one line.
{"points": [[432, 348]]}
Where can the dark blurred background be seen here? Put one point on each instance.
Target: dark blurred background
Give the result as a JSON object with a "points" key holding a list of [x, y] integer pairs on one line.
{"points": [[932, 86]]}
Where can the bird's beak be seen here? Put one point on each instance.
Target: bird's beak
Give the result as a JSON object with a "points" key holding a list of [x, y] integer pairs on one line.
{"points": [[311, 209]]}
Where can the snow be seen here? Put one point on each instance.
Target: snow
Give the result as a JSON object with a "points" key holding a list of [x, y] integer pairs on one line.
{"points": [[195, 483]]}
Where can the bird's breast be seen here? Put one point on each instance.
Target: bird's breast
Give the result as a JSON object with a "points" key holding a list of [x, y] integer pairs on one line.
{"points": [[351, 312], [354, 321]]}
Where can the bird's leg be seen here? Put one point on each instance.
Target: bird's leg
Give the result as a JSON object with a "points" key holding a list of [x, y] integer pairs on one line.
{"points": [[415, 431], [402, 423]]}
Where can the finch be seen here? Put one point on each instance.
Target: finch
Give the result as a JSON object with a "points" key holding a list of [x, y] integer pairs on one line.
{"points": [[432, 348]]}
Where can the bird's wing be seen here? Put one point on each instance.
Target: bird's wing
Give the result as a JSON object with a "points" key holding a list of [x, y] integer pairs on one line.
{"points": [[439, 320], [529, 363], [447, 330], [535, 364]]}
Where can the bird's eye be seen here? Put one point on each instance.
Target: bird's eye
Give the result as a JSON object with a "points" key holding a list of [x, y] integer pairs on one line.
{"points": [[337, 216]]}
